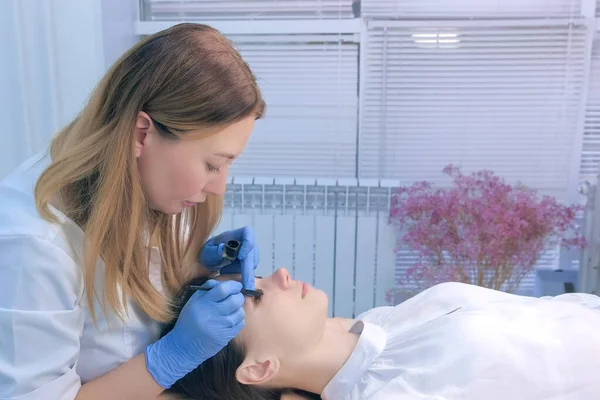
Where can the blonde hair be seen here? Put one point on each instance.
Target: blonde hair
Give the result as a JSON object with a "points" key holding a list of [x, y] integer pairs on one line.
{"points": [[187, 78]]}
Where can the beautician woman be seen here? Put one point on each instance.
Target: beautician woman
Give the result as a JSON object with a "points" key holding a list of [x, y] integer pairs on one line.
{"points": [[97, 233]]}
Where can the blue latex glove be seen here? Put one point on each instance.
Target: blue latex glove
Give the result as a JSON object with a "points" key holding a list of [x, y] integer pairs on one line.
{"points": [[206, 324], [211, 255]]}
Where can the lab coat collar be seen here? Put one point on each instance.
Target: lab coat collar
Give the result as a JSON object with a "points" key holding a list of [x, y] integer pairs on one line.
{"points": [[371, 344]]}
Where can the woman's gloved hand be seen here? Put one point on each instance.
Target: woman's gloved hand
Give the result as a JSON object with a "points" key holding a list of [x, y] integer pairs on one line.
{"points": [[206, 324], [211, 255]]}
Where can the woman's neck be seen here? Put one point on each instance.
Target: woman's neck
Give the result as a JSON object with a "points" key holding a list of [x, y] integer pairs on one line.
{"points": [[313, 371]]}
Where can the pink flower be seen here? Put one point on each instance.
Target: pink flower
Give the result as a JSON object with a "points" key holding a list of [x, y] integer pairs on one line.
{"points": [[481, 230]]}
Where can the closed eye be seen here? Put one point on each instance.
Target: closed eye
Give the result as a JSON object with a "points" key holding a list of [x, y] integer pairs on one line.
{"points": [[212, 169]]}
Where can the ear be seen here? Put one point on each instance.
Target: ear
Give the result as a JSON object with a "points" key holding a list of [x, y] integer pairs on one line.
{"points": [[253, 372], [143, 124]]}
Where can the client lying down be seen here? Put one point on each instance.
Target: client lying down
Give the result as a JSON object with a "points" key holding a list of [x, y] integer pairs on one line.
{"points": [[453, 341]]}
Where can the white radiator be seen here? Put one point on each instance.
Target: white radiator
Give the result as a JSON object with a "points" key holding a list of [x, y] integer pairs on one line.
{"points": [[333, 234]]}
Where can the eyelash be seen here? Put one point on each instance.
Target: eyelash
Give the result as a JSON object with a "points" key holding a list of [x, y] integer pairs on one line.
{"points": [[212, 169], [257, 299]]}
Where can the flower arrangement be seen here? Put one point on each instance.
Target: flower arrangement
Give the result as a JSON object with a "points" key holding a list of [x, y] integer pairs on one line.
{"points": [[481, 230]]}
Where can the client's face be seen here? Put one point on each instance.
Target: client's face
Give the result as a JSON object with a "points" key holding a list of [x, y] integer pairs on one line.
{"points": [[288, 320]]}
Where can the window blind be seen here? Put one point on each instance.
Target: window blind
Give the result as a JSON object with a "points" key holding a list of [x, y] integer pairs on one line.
{"points": [[504, 98], [250, 9], [590, 158], [407, 9], [310, 86]]}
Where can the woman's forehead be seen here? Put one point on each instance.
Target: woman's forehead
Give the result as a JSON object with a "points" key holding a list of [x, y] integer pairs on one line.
{"points": [[228, 277], [233, 277]]}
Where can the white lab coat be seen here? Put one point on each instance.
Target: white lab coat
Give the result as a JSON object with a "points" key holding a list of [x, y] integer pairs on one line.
{"points": [[464, 342], [48, 342]]}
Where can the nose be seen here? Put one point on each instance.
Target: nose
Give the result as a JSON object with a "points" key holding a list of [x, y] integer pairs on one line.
{"points": [[282, 278], [216, 186]]}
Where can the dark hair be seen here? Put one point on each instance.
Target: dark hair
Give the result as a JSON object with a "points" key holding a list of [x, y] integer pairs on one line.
{"points": [[215, 378]]}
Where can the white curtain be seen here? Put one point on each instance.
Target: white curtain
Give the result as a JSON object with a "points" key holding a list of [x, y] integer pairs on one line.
{"points": [[52, 57], [245, 9], [467, 9], [499, 96], [310, 85], [590, 158]]}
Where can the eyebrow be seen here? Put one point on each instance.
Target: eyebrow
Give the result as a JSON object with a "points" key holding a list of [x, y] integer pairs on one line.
{"points": [[238, 277], [225, 155]]}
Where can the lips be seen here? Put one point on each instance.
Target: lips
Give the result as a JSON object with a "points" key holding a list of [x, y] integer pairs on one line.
{"points": [[305, 289], [189, 203]]}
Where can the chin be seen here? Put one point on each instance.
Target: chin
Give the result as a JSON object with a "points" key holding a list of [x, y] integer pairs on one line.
{"points": [[175, 211], [322, 300], [172, 210]]}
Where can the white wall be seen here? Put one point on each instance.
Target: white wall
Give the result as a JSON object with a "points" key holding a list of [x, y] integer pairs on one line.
{"points": [[118, 17], [53, 54]]}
